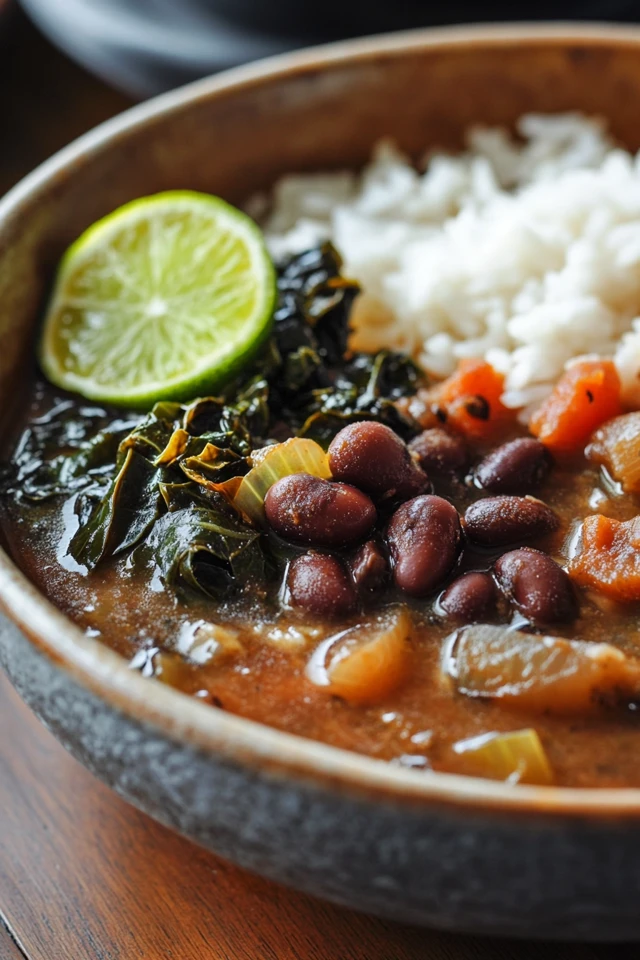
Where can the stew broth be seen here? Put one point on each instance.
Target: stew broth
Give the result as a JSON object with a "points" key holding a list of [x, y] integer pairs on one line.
{"points": [[261, 664]]}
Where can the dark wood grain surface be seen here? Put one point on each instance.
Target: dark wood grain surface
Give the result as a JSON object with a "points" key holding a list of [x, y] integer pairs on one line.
{"points": [[85, 873], [9, 949], [83, 876]]}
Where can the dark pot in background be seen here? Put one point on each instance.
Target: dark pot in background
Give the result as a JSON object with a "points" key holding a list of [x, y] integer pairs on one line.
{"points": [[6, 10], [336, 19], [146, 46]]}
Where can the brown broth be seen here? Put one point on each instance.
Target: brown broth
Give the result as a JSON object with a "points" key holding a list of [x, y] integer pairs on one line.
{"points": [[265, 677]]}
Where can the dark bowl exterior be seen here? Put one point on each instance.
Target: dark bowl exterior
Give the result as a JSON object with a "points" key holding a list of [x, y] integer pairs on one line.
{"points": [[445, 851], [474, 871]]}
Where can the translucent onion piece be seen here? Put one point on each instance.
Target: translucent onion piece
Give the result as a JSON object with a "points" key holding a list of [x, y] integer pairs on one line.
{"points": [[543, 674], [297, 455], [369, 662], [517, 756]]}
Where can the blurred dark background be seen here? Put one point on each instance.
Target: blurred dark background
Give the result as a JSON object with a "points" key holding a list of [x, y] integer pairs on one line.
{"points": [[145, 46], [66, 65], [46, 99]]}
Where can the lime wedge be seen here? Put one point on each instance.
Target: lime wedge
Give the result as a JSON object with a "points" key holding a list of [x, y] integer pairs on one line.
{"points": [[166, 298]]}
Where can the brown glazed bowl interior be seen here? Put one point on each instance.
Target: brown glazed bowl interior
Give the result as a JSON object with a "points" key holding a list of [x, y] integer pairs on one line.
{"points": [[450, 851]]}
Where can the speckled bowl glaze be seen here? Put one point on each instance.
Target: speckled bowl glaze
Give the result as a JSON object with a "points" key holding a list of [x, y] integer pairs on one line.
{"points": [[447, 851]]}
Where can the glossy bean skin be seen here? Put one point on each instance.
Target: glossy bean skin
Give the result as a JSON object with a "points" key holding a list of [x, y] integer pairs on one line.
{"points": [[373, 458], [319, 584], [539, 586], [440, 453], [516, 467], [369, 567], [499, 521], [305, 509], [424, 538], [470, 598]]}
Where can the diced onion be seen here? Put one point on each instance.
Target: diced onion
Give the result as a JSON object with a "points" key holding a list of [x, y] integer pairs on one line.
{"points": [[368, 662], [536, 673]]}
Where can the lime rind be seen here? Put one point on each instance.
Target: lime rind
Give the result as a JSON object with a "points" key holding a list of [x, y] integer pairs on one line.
{"points": [[213, 350]]}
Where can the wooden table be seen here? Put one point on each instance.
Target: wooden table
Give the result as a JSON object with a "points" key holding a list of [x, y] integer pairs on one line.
{"points": [[83, 876]]}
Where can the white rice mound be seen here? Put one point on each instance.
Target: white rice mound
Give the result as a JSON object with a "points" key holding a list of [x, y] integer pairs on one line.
{"points": [[525, 252]]}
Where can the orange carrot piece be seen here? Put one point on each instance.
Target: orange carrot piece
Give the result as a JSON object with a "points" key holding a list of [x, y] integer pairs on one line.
{"points": [[609, 558], [470, 398], [586, 395], [616, 445]]}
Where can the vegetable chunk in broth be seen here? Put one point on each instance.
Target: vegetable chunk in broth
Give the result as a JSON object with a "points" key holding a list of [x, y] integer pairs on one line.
{"points": [[333, 545]]}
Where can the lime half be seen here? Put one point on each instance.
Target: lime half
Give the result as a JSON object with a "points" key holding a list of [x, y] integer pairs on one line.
{"points": [[166, 298]]}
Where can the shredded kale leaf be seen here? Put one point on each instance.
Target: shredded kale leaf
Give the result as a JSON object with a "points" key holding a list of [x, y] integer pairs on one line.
{"points": [[161, 483], [204, 548]]}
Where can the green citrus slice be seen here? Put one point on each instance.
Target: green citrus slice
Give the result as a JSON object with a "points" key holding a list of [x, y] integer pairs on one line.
{"points": [[166, 298]]}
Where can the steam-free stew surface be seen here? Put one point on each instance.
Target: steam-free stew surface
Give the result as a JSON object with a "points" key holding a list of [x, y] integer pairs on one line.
{"points": [[259, 666], [339, 548]]}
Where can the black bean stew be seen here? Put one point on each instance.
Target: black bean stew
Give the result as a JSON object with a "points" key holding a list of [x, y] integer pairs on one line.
{"points": [[338, 548]]}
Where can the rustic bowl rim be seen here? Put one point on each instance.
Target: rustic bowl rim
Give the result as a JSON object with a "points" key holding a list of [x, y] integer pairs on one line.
{"points": [[180, 717]]}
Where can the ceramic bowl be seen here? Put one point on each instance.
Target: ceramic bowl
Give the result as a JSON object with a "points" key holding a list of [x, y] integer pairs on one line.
{"points": [[447, 851]]}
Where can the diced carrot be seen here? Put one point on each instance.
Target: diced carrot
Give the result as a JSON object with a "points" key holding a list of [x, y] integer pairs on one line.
{"points": [[470, 398], [585, 397], [609, 557], [616, 445]]}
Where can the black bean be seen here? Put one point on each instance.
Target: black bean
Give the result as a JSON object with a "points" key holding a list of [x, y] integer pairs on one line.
{"points": [[539, 586], [369, 567], [516, 467], [424, 538], [306, 509], [470, 598], [319, 584], [498, 521], [440, 453], [375, 459]]}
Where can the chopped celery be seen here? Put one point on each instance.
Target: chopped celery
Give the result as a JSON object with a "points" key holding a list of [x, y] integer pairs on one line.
{"points": [[517, 756], [297, 455]]}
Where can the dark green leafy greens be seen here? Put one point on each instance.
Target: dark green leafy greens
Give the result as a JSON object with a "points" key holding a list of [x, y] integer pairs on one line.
{"points": [[365, 390], [123, 516], [68, 448], [205, 549], [162, 484]]}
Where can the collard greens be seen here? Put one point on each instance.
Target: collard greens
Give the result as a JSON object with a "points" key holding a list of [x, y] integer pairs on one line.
{"points": [[162, 484]]}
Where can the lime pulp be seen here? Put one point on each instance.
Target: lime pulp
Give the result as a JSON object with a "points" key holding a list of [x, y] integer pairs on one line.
{"points": [[165, 298]]}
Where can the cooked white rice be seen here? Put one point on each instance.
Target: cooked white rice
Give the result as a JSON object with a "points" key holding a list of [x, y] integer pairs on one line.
{"points": [[525, 253]]}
